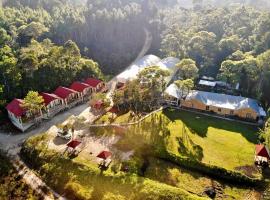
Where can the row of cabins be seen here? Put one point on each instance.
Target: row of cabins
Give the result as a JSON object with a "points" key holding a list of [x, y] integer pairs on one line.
{"points": [[62, 98], [221, 104]]}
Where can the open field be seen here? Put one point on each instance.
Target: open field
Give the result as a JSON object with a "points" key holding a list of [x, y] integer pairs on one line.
{"points": [[206, 139], [213, 141]]}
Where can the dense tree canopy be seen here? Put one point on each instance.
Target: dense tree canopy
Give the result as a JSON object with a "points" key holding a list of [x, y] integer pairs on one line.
{"points": [[42, 41]]}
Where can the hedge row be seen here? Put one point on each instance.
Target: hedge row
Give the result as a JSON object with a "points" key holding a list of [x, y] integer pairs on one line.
{"points": [[210, 170]]}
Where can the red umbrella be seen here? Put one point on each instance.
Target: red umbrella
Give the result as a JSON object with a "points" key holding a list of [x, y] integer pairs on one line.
{"points": [[104, 154], [73, 144]]}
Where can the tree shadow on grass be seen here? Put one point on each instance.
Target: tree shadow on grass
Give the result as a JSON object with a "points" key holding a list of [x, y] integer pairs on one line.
{"points": [[190, 149], [199, 124]]}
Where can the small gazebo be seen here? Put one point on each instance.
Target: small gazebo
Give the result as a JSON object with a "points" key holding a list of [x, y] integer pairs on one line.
{"points": [[262, 155], [106, 159], [72, 146], [104, 155]]}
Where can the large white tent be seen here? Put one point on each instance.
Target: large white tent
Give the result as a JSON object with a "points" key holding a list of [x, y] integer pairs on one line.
{"points": [[133, 70]]}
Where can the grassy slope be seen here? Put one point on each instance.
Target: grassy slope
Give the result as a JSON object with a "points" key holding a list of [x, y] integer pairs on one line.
{"points": [[80, 179], [193, 182], [11, 184], [214, 141]]}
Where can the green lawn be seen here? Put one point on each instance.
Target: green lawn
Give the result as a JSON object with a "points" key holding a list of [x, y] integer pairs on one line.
{"points": [[210, 140], [217, 142]]}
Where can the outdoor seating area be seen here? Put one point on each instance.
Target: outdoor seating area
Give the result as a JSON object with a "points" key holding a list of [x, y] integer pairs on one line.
{"points": [[62, 98], [262, 156], [106, 160]]}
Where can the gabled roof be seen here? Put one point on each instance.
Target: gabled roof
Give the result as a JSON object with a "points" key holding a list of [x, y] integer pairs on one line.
{"points": [[93, 82], [15, 107], [64, 92], [225, 101], [262, 151], [79, 86], [48, 98]]}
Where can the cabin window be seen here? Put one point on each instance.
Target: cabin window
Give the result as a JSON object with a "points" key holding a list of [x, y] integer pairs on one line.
{"points": [[207, 107], [219, 109], [231, 112], [249, 116]]}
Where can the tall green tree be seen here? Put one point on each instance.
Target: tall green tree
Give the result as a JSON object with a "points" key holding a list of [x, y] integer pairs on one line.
{"points": [[33, 102], [187, 69]]}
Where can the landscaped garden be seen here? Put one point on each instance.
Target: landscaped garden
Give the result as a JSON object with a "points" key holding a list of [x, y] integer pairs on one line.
{"points": [[156, 145]]}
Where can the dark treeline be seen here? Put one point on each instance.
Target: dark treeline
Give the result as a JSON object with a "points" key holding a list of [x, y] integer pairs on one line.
{"points": [[45, 43]]}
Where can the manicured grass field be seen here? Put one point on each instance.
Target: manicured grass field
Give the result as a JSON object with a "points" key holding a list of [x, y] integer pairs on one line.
{"points": [[210, 140], [214, 141]]}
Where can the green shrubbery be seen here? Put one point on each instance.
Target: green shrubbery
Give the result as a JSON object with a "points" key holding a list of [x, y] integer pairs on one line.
{"points": [[82, 182], [210, 170]]}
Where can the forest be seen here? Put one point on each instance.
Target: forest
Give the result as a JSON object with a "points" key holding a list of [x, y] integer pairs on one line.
{"points": [[46, 43]]}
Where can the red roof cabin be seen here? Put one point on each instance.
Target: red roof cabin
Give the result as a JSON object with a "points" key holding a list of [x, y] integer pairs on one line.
{"points": [[84, 89], [19, 116], [261, 154], [53, 104], [96, 84], [71, 97]]}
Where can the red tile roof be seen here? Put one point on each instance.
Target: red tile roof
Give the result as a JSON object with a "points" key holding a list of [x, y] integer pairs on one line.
{"points": [[15, 107], [63, 92], [261, 150], [93, 82], [48, 98], [79, 86]]}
